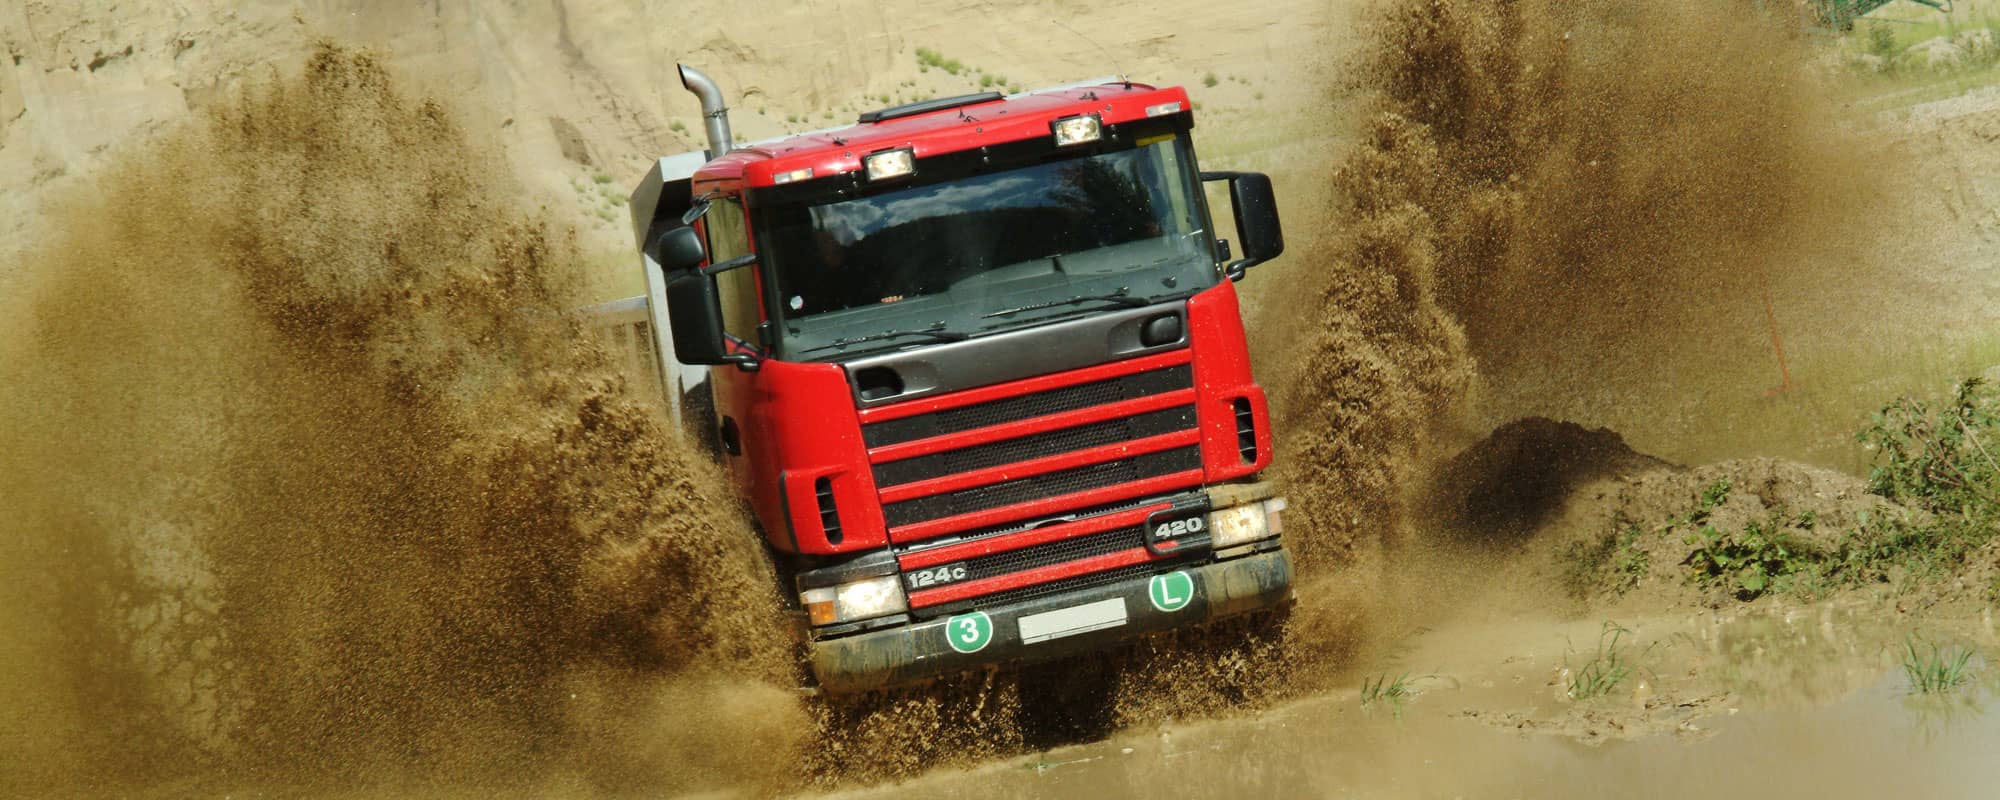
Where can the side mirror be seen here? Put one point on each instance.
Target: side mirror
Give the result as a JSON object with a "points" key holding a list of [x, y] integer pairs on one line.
{"points": [[695, 314], [1257, 223], [677, 249]]}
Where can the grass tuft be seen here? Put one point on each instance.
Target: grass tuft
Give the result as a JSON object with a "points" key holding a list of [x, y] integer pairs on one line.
{"points": [[1934, 669], [1607, 669], [1380, 689]]}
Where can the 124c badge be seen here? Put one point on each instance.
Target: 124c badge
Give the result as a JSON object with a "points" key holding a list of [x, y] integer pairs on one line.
{"points": [[934, 576]]}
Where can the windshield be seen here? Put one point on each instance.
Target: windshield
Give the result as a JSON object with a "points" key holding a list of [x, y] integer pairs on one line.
{"points": [[988, 251]]}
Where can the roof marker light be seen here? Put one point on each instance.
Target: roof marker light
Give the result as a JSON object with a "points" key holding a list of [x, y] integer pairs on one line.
{"points": [[1164, 109], [1077, 130], [891, 164], [793, 175]]}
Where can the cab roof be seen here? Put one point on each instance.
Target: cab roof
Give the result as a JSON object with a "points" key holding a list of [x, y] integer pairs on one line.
{"points": [[976, 122]]}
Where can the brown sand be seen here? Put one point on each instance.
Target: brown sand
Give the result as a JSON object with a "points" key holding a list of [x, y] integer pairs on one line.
{"points": [[312, 478]]}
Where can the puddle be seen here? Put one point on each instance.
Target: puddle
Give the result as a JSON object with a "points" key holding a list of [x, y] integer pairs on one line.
{"points": [[1809, 704]]}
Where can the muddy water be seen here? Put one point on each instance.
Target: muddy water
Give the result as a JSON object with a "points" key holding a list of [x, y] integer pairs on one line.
{"points": [[1799, 704]]}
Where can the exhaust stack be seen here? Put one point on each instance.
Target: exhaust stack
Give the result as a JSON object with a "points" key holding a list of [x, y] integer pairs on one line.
{"points": [[715, 114]]}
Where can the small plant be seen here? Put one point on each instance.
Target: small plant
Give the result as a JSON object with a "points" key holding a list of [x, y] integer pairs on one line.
{"points": [[1756, 560], [1379, 689], [600, 178], [679, 127], [1606, 670], [985, 81], [1881, 41], [1933, 669], [1611, 563], [1209, 80], [928, 58], [1940, 458]]}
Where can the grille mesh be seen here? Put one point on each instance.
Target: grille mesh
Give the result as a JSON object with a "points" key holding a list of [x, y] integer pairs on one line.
{"points": [[1029, 406], [1056, 552], [1094, 476], [1047, 443]]}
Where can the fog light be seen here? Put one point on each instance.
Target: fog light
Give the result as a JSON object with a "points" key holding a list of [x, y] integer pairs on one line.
{"points": [[1164, 109], [891, 164], [1077, 130], [874, 597], [1245, 523], [793, 175]]}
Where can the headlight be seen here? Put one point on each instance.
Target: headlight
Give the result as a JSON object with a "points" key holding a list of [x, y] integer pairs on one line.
{"points": [[874, 597], [890, 164], [1245, 523], [1077, 130]]}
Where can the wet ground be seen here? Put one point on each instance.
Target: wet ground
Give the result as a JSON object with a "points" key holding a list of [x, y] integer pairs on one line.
{"points": [[1801, 703]]}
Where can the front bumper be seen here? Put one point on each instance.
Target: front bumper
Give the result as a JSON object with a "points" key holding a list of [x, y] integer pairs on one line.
{"points": [[913, 652]]}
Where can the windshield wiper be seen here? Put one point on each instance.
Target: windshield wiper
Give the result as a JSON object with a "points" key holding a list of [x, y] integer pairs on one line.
{"points": [[936, 331], [1122, 297]]}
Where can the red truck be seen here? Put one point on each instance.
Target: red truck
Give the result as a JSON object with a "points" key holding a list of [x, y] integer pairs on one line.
{"points": [[977, 365]]}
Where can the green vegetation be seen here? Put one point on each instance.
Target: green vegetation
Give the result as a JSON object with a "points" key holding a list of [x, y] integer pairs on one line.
{"points": [[1607, 669], [1760, 558], [1612, 563], [679, 127], [1937, 462], [928, 58], [1934, 669], [1897, 61], [1209, 80], [1939, 457], [1380, 689]]}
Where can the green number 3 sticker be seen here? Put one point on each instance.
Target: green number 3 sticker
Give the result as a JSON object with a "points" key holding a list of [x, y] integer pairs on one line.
{"points": [[969, 633]]}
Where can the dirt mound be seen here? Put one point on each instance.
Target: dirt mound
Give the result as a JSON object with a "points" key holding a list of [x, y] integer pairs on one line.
{"points": [[1512, 482], [1718, 533], [312, 475]]}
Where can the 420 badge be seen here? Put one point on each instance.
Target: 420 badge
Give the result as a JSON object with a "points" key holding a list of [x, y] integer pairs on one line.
{"points": [[970, 632]]}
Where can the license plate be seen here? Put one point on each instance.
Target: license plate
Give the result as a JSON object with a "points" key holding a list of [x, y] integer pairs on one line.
{"points": [[1072, 621]]}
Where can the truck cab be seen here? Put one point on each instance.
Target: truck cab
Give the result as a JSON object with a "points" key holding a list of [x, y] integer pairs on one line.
{"points": [[977, 366]]}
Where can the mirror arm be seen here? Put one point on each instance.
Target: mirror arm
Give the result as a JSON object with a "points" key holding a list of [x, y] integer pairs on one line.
{"points": [[734, 263], [1234, 269], [746, 357]]}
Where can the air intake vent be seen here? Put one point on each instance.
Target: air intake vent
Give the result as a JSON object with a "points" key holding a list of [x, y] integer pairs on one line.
{"points": [[829, 517], [1246, 431]]}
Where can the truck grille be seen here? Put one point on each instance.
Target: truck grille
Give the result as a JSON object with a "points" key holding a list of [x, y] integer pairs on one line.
{"points": [[1166, 447]]}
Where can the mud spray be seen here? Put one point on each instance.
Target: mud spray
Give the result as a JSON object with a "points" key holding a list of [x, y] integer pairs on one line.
{"points": [[310, 478], [1566, 209]]}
